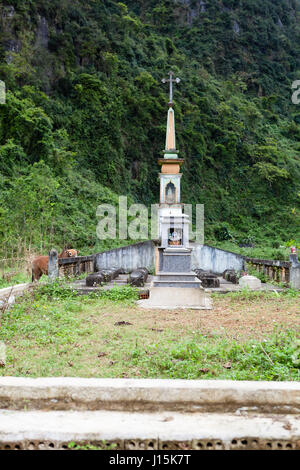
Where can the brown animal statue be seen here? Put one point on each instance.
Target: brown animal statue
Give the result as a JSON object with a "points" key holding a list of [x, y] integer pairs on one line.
{"points": [[40, 263]]}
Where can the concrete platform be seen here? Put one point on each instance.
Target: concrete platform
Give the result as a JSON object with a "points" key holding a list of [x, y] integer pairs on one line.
{"points": [[181, 297]]}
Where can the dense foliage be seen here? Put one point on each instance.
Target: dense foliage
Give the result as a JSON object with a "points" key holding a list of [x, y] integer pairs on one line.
{"points": [[84, 119]]}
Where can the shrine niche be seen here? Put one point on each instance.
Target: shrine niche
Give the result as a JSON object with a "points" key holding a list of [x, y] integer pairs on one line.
{"points": [[175, 237], [170, 189], [170, 193]]}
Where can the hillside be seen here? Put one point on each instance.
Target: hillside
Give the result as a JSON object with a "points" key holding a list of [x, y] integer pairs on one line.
{"points": [[85, 115]]}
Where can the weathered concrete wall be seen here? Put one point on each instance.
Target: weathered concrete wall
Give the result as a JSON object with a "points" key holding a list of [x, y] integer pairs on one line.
{"points": [[295, 272], [205, 257], [213, 259], [143, 254], [127, 257]]}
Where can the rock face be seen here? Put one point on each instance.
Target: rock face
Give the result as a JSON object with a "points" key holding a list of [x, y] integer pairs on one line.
{"points": [[42, 33], [250, 281], [8, 11], [279, 22], [11, 46], [236, 27], [188, 10]]}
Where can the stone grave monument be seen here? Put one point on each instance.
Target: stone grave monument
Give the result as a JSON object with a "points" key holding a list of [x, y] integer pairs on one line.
{"points": [[174, 284]]}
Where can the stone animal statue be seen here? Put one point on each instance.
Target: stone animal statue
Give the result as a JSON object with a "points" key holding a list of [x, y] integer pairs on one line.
{"points": [[110, 274], [103, 276], [231, 276], [40, 263], [94, 279], [138, 277], [207, 278], [199, 273]]}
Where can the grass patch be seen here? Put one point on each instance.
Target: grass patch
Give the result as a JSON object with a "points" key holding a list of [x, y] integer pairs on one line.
{"points": [[61, 289], [275, 358], [262, 251], [246, 336], [247, 294], [84, 446], [19, 278]]}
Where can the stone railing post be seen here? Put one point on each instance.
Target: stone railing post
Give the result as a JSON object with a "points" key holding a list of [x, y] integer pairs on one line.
{"points": [[53, 265], [295, 271]]}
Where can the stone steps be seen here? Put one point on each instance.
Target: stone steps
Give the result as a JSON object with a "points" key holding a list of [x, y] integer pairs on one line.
{"points": [[177, 284], [169, 276], [176, 280]]}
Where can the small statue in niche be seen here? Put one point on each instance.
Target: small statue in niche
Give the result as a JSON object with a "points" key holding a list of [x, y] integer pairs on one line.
{"points": [[175, 238]]}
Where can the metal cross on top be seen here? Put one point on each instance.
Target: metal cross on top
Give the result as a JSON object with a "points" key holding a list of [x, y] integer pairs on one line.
{"points": [[171, 80]]}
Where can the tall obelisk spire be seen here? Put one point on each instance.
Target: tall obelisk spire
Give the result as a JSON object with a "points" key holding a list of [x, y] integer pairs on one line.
{"points": [[170, 147], [170, 165]]}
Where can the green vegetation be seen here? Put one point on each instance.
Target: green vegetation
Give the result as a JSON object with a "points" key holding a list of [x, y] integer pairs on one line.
{"points": [[247, 294], [61, 289], [264, 250], [19, 278], [85, 115], [276, 358], [52, 332], [103, 445]]}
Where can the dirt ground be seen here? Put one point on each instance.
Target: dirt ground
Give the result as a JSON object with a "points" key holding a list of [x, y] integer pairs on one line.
{"points": [[236, 318]]}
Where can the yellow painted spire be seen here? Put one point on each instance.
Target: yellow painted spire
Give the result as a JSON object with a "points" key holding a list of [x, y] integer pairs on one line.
{"points": [[170, 137]]}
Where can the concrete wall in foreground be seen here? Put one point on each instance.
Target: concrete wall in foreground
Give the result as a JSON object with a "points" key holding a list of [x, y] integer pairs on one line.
{"points": [[127, 257], [215, 260], [146, 414]]}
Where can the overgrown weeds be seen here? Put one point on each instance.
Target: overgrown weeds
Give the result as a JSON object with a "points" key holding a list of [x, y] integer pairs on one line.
{"points": [[275, 358]]}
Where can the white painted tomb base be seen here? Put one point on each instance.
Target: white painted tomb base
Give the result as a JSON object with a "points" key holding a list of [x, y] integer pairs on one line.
{"points": [[181, 297]]}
